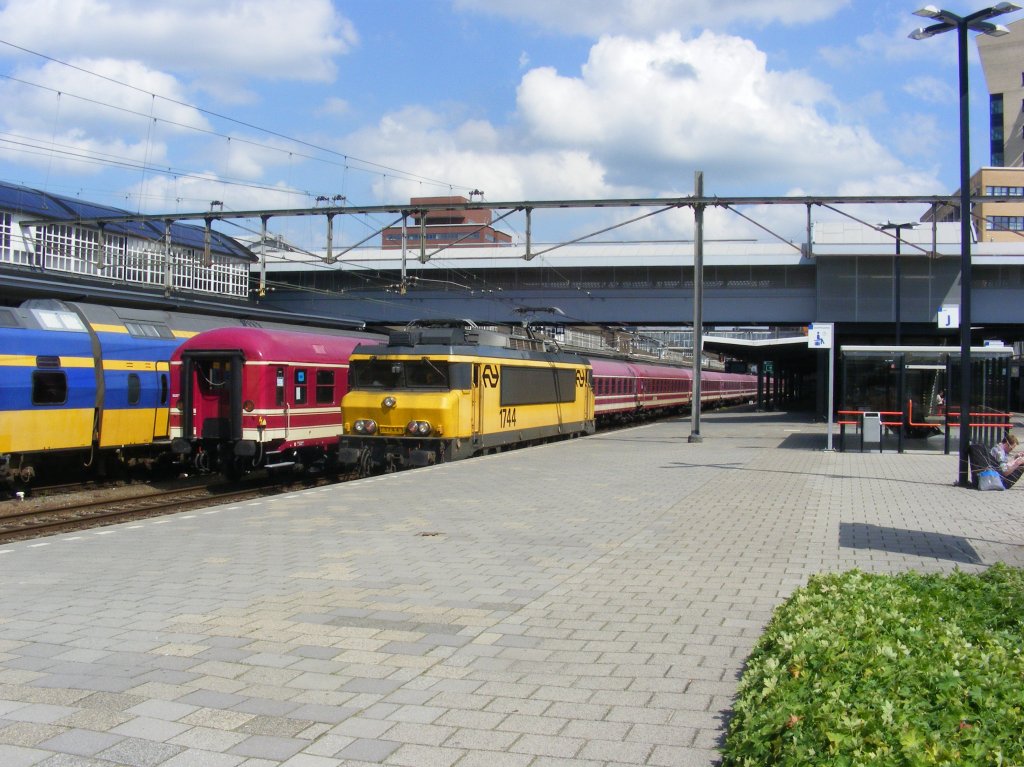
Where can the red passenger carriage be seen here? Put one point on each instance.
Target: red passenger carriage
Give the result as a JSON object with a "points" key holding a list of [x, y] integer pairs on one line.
{"points": [[248, 398], [624, 390]]}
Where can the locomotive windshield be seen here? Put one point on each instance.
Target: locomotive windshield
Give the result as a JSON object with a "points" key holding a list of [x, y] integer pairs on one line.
{"points": [[398, 374]]}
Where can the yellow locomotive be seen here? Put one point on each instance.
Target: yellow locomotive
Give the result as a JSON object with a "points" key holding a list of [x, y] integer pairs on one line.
{"points": [[443, 390]]}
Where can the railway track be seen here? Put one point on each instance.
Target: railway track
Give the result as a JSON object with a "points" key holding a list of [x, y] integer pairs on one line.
{"points": [[17, 524]]}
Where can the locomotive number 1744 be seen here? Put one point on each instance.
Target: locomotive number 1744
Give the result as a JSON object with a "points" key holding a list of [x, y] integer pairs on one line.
{"points": [[507, 416]]}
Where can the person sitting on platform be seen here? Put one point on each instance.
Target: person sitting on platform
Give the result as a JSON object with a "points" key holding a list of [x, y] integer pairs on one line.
{"points": [[1011, 466]]}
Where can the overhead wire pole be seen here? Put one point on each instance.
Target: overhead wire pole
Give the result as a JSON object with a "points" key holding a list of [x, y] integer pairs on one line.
{"points": [[698, 304]]}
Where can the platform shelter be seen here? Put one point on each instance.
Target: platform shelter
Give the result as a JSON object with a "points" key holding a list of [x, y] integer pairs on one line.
{"points": [[891, 394]]}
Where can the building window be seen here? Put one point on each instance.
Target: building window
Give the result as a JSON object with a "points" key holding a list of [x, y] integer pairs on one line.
{"points": [[5, 236], [1006, 223], [1004, 191]]}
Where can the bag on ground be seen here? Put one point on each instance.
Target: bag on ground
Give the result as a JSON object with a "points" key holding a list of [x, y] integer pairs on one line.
{"points": [[989, 479]]}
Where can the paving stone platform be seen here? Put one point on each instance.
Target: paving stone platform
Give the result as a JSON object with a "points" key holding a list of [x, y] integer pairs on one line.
{"points": [[585, 603]]}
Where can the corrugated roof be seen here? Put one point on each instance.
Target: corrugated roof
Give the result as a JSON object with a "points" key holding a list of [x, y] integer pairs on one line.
{"points": [[33, 202]]}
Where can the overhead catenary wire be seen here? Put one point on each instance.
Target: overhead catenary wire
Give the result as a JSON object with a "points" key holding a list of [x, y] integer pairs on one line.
{"points": [[377, 167]]}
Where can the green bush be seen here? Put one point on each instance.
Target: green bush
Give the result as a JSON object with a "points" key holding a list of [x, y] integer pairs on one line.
{"points": [[859, 669]]}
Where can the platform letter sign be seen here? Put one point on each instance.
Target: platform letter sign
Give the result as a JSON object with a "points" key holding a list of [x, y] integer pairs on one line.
{"points": [[819, 335], [949, 317]]}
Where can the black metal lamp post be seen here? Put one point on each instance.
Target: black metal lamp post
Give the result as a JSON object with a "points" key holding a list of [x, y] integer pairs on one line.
{"points": [[977, 21]]}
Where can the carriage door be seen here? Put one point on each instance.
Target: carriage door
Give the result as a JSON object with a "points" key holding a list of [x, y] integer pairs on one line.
{"points": [[161, 415]]}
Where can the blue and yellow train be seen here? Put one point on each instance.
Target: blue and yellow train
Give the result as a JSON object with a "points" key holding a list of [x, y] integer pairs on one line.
{"points": [[84, 385]]}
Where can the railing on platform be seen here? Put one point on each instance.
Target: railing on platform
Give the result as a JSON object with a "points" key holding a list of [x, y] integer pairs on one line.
{"points": [[985, 427]]}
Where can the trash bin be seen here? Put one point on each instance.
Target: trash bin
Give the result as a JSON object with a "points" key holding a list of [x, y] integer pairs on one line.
{"points": [[871, 432]]}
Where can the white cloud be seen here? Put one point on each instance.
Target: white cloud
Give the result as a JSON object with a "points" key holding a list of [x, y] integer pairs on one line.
{"points": [[474, 154], [653, 111], [269, 38], [648, 17], [333, 107], [55, 95], [637, 120], [932, 90], [66, 119], [640, 117]]}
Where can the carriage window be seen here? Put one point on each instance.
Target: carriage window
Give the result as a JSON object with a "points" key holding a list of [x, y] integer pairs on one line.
{"points": [[49, 387], [301, 386], [279, 393], [134, 389], [324, 387], [163, 389]]}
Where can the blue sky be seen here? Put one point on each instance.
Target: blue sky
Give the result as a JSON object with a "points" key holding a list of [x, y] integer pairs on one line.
{"points": [[271, 103]]}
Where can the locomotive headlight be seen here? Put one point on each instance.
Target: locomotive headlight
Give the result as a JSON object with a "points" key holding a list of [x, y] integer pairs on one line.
{"points": [[248, 406], [365, 426], [418, 429], [389, 402]]}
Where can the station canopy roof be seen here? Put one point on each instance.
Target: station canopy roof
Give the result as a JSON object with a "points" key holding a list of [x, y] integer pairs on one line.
{"points": [[34, 203]]}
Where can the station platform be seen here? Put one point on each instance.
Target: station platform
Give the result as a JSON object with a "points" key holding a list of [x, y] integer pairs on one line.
{"points": [[589, 602]]}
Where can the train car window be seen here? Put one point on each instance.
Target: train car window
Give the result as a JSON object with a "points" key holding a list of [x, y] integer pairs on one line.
{"points": [[534, 386], [148, 330], [54, 320], [426, 374], [279, 392], [164, 389], [324, 387], [460, 374], [7, 319], [49, 387], [134, 389], [373, 374], [400, 374], [301, 386], [217, 374]]}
